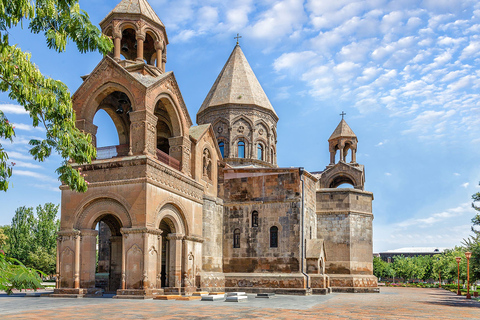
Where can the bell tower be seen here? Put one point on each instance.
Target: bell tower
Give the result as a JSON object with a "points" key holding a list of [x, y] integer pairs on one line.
{"points": [[344, 206], [138, 34]]}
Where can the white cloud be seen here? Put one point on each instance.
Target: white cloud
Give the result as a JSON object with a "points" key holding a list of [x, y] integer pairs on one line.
{"points": [[26, 127], [436, 217], [22, 164], [35, 175], [388, 174], [282, 19], [465, 185], [12, 109]]}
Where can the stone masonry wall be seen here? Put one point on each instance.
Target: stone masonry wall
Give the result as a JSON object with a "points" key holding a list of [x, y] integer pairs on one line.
{"points": [[276, 195]]}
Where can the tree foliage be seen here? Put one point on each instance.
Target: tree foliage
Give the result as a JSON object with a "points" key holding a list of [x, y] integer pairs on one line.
{"points": [[15, 275], [32, 240], [47, 101]]}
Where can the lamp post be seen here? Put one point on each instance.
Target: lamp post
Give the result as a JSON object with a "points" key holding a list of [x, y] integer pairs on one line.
{"points": [[458, 278], [468, 255]]}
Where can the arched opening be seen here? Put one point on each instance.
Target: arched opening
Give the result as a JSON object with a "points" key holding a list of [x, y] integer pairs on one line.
{"points": [[167, 227], [236, 238], [345, 152], [259, 151], [274, 237], [254, 219], [106, 133], [128, 44], [108, 271], [241, 149], [272, 159], [117, 107], [221, 146], [164, 127], [342, 180], [149, 48]]}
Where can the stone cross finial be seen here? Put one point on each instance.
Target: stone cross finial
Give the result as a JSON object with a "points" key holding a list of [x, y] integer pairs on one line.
{"points": [[342, 114], [237, 37]]}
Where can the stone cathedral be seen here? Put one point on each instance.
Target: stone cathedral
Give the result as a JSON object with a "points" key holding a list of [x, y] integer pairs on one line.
{"points": [[177, 208]]}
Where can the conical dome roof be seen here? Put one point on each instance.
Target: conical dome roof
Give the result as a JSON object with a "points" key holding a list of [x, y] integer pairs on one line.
{"points": [[237, 84], [342, 131], [136, 7]]}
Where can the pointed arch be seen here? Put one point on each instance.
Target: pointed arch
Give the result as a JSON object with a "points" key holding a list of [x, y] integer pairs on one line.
{"points": [[179, 126]]}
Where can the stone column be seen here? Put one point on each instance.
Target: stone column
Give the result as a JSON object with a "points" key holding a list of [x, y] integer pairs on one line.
{"points": [[159, 49], [354, 155], [164, 58], [76, 282], [341, 152], [116, 259], [175, 274], [89, 258], [123, 283], [180, 149], [145, 261], [143, 138], [57, 268], [159, 262], [140, 40], [117, 43]]}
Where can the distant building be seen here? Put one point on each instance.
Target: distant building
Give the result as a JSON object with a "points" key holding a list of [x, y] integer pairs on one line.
{"points": [[410, 252]]}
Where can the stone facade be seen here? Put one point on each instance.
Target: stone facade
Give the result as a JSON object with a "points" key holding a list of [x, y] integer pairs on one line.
{"points": [[177, 208]]}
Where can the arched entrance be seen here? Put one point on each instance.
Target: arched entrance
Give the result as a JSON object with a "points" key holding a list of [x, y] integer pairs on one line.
{"points": [[108, 271], [167, 228]]}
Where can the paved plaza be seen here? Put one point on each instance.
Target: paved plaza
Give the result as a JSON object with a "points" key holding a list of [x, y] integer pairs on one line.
{"points": [[390, 303]]}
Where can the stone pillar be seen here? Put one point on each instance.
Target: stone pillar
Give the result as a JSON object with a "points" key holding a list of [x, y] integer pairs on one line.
{"points": [[123, 283], [76, 282], [159, 262], [57, 268], [116, 259], [140, 40], [89, 257], [332, 157], [117, 44], [145, 280], [354, 155], [143, 136], [159, 49], [180, 149], [341, 152], [164, 58], [175, 274]]}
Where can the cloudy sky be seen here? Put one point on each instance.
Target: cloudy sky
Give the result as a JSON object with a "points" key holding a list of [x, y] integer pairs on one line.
{"points": [[405, 72]]}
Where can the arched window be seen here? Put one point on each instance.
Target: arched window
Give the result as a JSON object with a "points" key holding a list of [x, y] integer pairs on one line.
{"points": [[241, 149], [271, 156], [236, 238], [221, 146], [254, 219], [259, 152], [273, 237]]}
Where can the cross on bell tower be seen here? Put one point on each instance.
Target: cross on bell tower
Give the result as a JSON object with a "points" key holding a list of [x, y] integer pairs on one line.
{"points": [[237, 37]]}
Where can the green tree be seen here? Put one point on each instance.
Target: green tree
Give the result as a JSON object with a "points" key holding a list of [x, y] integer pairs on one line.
{"points": [[21, 234], [47, 100], [405, 268], [4, 237], [32, 240], [382, 269]]}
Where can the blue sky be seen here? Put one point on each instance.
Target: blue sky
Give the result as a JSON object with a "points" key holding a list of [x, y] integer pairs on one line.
{"points": [[405, 72]]}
